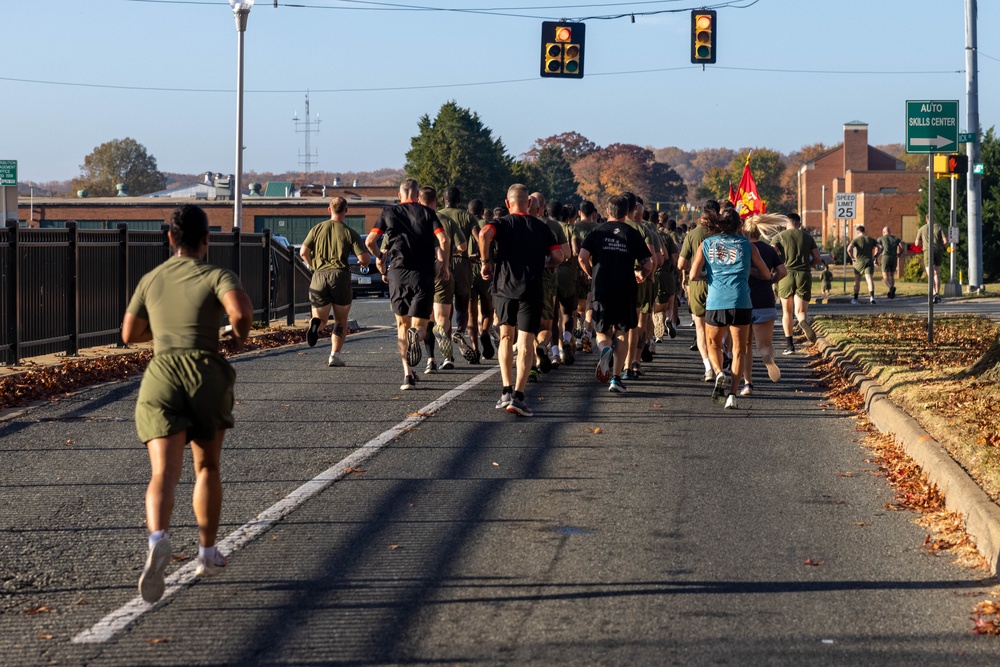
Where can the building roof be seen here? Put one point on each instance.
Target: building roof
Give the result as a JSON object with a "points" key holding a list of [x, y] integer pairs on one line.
{"points": [[279, 189]]}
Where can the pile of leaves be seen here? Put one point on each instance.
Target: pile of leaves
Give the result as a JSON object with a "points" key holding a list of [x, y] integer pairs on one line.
{"points": [[38, 382]]}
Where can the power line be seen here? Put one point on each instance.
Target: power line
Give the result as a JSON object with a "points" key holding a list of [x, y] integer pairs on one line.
{"points": [[468, 84]]}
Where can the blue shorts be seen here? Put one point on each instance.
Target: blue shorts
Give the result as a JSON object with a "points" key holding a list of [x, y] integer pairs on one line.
{"points": [[762, 315]]}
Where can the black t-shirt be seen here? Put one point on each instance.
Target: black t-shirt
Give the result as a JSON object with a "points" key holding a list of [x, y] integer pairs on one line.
{"points": [[615, 248], [522, 243], [410, 229], [761, 291]]}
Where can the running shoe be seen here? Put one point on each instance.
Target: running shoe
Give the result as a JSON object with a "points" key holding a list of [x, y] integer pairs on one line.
{"points": [[152, 582], [603, 373], [807, 329], [773, 371], [652, 345], [709, 375], [488, 349], [409, 382], [447, 364], [569, 353], [854, 301], [892, 292], [505, 400], [519, 407], [464, 343], [671, 329], [789, 350], [335, 361], [587, 347], [413, 351], [871, 301], [312, 334], [746, 390], [694, 346], [646, 354], [937, 299], [579, 333], [209, 567], [731, 402], [443, 342], [431, 368], [616, 386], [720, 388], [544, 363], [658, 327], [533, 375]]}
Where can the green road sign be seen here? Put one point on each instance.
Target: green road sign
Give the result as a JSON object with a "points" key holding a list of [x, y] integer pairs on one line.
{"points": [[931, 126], [966, 137], [978, 169], [8, 173]]}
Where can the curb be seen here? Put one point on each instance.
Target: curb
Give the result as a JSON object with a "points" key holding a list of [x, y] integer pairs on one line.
{"points": [[960, 491]]}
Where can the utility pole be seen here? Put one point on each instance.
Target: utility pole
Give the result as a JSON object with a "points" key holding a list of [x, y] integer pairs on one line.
{"points": [[973, 180]]}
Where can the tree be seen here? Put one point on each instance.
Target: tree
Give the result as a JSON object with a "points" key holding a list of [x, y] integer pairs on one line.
{"points": [[551, 174], [574, 146], [767, 167], [119, 161], [457, 149], [626, 167], [989, 154]]}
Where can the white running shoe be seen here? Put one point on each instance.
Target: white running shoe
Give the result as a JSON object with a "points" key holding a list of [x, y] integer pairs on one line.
{"points": [[603, 372], [444, 343], [773, 371], [335, 361], [731, 402], [210, 568], [720, 388], [152, 583], [746, 390], [709, 375]]}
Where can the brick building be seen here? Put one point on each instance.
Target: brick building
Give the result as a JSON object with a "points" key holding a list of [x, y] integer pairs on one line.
{"points": [[291, 217], [887, 194]]}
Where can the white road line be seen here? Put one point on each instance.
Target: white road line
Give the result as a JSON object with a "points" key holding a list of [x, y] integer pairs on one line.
{"points": [[108, 627]]}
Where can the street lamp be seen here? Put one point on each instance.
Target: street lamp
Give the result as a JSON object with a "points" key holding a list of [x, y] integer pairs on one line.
{"points": [[241, 11]]}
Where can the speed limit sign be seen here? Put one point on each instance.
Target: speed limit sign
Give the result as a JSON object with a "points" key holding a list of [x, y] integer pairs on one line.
{"points": [[845, 205]]}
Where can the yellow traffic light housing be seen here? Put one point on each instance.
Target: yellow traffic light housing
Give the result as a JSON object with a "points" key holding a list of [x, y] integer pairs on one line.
{"points": [[951, 165], [704, 26], [562, 49]]}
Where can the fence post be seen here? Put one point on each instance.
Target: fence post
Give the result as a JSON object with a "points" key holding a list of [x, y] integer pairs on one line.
{"points": [[122, 276], [268, 277], [13, 293], [73, 266], [236, 252], [290, 288]]}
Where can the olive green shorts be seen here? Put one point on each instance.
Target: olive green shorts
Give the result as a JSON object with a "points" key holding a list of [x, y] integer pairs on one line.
{"points": [[798, 283], [645, 294], [461, 275], [333, 286], [549, 291], [666, 285], [566, 276], [937, 258], [697, 297], [185, 390], [444, 291], [889, 264]]}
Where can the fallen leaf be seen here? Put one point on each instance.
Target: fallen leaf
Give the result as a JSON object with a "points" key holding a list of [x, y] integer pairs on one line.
{"points": [[159, 640], [44, 636], [813, 563], [38, 610], [861, 523], [595, 430], [420, 414], [496, 464], [69, 442], [656, 405], [393, 547], [82, 601], [353, 471], [845, 474], [178, 558]]}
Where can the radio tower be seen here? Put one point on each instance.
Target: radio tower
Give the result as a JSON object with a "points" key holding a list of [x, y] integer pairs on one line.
{"points": [[307, 127]]}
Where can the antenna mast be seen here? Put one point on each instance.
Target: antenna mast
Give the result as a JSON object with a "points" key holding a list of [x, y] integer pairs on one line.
{"points": [[307, 127]]}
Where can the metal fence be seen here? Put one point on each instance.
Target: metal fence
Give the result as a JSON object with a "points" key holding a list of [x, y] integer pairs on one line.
{"points": [[63, 289]]}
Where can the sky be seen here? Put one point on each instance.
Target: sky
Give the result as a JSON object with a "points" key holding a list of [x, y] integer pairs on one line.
{"points": [[790, 73]]}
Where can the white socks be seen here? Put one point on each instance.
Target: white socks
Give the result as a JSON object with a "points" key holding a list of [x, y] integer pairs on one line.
{"points": [[155, 537], [208, 554]]}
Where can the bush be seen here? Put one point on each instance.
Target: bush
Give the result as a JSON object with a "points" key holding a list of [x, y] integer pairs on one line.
{"points": [[836, 249], [913, 272]]}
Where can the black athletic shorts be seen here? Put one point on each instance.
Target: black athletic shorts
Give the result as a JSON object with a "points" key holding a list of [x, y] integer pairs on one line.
{"points": [[525, 314], [411, 293], [618, 314], [730, 317]]}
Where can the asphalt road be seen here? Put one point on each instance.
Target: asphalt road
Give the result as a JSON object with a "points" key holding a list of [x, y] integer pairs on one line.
{"points": [[675, 535]]}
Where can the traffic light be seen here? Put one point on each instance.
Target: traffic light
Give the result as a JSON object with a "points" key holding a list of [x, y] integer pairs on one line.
{"points": [[704, 24], [562, 49], [951, 164]]}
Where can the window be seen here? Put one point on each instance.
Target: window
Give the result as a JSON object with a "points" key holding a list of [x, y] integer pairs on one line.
{"points": [[887, 191], [356, 222]]}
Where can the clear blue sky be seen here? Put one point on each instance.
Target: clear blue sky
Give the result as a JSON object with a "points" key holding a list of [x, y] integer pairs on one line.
{"points": [[121, 50]]}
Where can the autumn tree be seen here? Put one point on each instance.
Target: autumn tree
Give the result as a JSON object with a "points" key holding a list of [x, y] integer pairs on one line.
{"points": [[626, 167], [551, 174], [457, 149], [574, 146], [119, 161]]}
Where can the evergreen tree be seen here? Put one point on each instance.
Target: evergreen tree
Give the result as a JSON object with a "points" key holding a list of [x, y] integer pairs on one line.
{"points": [[457, 149]]}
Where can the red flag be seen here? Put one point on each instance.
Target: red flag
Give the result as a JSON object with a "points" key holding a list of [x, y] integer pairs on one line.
{"points": [[748, 201], [732, 194]]}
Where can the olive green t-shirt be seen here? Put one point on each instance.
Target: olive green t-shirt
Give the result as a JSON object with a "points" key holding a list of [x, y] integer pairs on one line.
{"points": [[940, 240], [795, 246], [581, 229], [864, 249], [468, 223], [182, 300], [455, 235], [567, 229], [693, 240], [330, 243], [890, 245], [557, 229]]}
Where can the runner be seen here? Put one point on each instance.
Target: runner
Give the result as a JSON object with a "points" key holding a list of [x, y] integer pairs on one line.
{"points": [[888, 258], [417, 248], [549, 284], [444, 292], [616, 258], [762, 298], [696, 286], [325, 250], [186, 393], [926, 239], [524, 246], [461, 271], [798, 249], [480, 301], [666, 281], [584, 327], [644, 290], [567, 276], [727, 259], [864, 252]]}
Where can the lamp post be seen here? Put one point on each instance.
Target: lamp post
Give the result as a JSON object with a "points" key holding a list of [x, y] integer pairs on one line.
{"points": [[241, 11]]}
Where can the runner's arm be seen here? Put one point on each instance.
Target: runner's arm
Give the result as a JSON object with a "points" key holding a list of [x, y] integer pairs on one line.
{"points": [[697, 263], [135, 329], [306, 255], [239, 309], [586, 262], [816, 258]]}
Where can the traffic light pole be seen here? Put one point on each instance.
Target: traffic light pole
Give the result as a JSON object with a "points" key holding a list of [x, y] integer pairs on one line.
{"points": [[953, 287], [974, 181], [929, 250]]}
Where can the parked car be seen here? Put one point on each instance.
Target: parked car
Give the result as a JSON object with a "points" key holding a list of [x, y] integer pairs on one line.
{"points": [[367, 279]]}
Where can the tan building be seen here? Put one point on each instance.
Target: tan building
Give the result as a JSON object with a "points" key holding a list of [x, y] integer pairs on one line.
{"points": [[291, 217], [887, 194]]}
